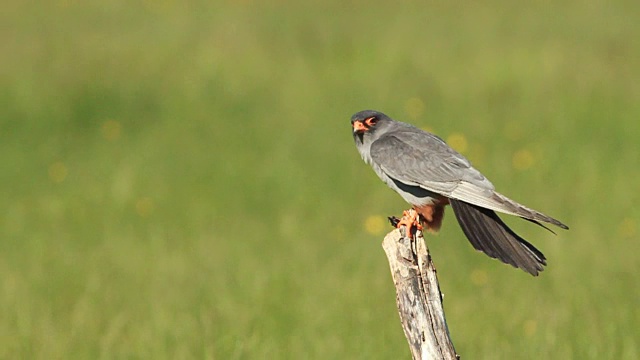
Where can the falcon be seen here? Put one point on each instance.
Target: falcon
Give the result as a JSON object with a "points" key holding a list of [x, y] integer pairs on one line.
{"points": [[429, 175]]}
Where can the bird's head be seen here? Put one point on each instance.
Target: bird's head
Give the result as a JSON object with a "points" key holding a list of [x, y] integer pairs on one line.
{"points": [[368, 125]]}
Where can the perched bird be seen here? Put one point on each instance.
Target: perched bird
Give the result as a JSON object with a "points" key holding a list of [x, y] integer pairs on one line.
{"points": [[429, 175]]}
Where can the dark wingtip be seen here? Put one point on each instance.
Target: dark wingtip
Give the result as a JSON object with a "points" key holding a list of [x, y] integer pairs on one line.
{"points": [[540, 224], [558, 223]]}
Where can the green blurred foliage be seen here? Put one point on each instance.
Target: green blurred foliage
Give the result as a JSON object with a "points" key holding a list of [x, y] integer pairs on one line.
{"points": [[180, 180]]}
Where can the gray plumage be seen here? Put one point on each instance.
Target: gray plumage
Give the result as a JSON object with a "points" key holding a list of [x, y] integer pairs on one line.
{"points": [[423, 169]]}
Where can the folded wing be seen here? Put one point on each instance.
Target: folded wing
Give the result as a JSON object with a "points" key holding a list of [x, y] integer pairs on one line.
{"points": [[418, 158]]}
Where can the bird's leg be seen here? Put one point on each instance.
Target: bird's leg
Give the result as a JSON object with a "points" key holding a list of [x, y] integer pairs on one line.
{"points": [[410, 219]]}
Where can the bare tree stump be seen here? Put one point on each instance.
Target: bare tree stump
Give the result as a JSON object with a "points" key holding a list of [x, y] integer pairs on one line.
{"points": [[418, 297]]}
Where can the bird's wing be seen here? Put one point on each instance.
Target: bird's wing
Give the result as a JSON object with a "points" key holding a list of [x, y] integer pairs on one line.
{"points": [[418, 158], [422, 159]]}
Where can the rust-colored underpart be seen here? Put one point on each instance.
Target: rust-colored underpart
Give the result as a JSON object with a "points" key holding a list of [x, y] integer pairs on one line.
{"points": [[431, 215]]}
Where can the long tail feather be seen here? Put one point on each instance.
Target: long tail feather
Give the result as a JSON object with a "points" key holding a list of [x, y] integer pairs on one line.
{"points": [[489, 234]]}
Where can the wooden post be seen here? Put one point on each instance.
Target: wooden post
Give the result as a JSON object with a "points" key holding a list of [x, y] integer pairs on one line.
{"points": [[418, 297]]}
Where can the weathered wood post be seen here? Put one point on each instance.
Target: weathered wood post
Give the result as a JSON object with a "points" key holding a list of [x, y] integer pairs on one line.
{"points": [[418, 297]]}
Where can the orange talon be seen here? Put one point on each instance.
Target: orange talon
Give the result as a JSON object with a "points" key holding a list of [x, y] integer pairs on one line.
{"points": [[410, 219]]}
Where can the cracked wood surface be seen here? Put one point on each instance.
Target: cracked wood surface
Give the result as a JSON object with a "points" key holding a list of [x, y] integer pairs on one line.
{"points": [[418, 297]]}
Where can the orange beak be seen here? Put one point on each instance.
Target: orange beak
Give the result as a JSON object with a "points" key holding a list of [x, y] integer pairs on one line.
{"points": [[359, 127]]}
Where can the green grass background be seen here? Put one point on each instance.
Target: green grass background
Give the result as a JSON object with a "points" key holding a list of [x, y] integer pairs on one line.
{"points": [[179, 179]]}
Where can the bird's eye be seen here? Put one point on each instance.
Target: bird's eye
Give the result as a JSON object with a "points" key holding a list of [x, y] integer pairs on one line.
{"points": [[371, 121]]}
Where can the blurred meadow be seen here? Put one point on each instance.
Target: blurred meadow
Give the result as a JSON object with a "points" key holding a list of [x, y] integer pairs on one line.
{"points": [[180, 182]]}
